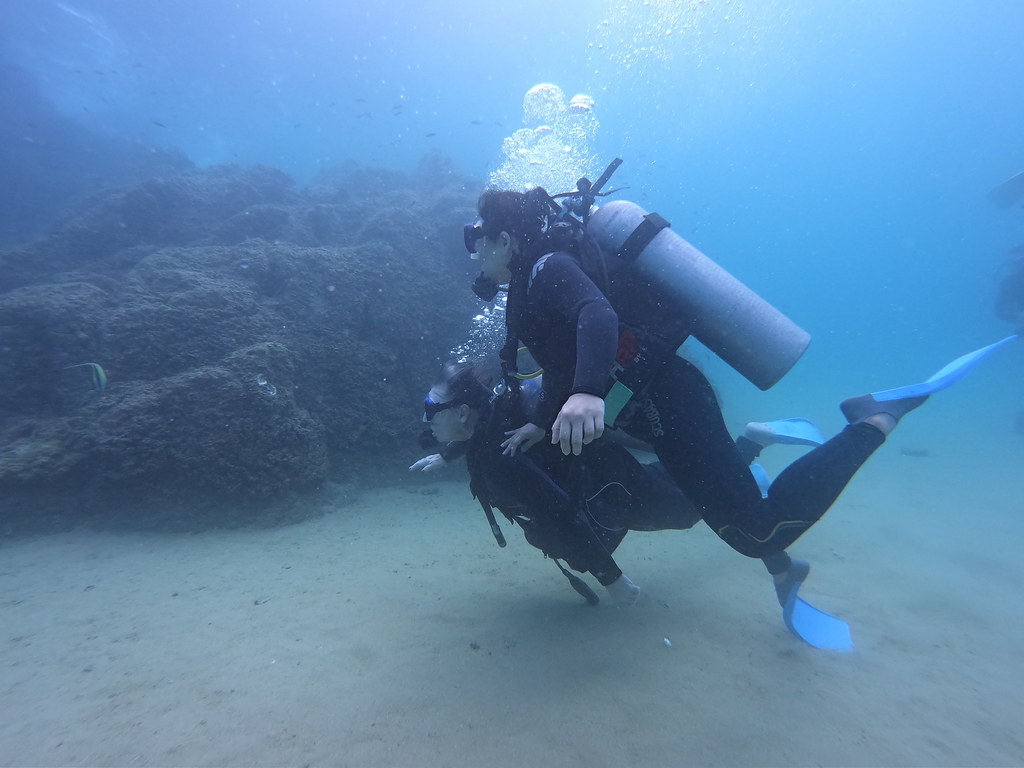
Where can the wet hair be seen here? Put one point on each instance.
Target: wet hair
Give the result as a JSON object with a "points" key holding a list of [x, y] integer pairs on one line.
{"points": [[463, 382], [522, 214]]}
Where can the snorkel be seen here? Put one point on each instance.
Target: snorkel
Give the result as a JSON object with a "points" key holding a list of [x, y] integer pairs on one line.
{"points": [[484, 287]]}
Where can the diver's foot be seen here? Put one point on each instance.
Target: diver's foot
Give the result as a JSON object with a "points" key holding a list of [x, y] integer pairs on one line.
{"points": [[623, 591], [889, 412], [790, 579]]}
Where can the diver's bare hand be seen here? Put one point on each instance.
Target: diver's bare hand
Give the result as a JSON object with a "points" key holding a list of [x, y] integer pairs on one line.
{"points": [[429, 463], [521, 439], [579, 423]]}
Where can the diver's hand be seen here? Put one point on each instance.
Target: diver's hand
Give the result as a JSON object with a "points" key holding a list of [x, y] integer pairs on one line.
{"points": [[429, 463], [521, 439], [579, 423]]}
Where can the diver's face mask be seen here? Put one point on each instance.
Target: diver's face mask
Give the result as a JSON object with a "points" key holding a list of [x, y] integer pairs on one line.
{"points": [[431, 408]]}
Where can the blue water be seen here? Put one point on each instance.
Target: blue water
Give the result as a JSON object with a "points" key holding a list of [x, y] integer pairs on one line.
{"points": [[836, 156]]}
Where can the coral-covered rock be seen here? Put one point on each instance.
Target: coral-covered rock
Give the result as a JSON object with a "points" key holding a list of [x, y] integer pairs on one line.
{"points": [[258, 340]]}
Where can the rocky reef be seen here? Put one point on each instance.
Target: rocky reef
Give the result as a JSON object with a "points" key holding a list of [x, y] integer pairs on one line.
{"points": [[258, 341]]}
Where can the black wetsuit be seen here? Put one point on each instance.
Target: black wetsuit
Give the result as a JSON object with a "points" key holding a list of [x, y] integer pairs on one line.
{"points": [[574, 510], [572, 331]]}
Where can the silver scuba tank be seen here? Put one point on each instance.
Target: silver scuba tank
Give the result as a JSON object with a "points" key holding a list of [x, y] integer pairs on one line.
{"points": [[662, 284]]}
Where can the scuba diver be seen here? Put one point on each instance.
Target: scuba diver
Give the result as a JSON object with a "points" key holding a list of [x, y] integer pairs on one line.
{"points": [[573, 509], [602, 297], [572, 330]]}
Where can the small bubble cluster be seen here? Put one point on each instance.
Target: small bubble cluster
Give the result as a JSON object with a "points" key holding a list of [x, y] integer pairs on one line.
{"points": [[265, 386], [486, 334]]}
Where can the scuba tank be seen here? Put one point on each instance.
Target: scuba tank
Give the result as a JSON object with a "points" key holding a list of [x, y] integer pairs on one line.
{"points": [[661, 284]]}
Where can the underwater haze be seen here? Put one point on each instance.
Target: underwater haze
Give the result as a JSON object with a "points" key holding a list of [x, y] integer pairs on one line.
{"points": [[837, 156], [840, 152]]}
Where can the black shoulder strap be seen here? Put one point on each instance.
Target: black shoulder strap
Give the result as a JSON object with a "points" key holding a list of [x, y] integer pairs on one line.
{"points": [[495, 528], [641, 237], [473, 465]]}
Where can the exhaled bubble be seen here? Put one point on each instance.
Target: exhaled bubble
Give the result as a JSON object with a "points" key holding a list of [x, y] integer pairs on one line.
{"points": [[265, 386], [543, 103], [553, 150]]}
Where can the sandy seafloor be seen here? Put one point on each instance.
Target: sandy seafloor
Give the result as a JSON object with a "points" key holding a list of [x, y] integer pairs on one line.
{"points": [[394, 632]]}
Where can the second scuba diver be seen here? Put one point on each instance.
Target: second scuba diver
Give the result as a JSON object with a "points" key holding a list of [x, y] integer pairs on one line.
{"points": [[576, 509]]}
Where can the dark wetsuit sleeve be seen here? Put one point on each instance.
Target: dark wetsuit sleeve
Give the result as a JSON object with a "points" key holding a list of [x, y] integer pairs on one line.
{"points": [[597, 335], [565, 311], [451, 451]]}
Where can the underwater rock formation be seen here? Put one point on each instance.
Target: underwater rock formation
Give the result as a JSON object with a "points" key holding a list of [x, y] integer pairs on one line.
{"points": [[258, 340]]}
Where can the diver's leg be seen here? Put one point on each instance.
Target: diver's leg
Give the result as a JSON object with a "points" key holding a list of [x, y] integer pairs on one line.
{"points": [[679, 415], [691, 439], [883, 416], [749, 449], [787, 574]]}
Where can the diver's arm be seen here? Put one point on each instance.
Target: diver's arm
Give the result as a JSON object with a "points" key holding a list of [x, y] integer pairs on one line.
{"points": [[564, 287], [447, 455], [429, 463]]}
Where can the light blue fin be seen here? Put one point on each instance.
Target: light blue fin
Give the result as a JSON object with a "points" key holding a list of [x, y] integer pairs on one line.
{"points": [[761, 476], [948, 375], [814, 627], [794, 431], [1009, 192]]}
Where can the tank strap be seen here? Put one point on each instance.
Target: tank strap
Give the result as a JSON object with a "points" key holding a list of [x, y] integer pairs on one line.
{"points": [[639, 239]]}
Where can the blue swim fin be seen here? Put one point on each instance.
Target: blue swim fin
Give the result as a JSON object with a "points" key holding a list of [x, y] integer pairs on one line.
{"points": [[814, 627], [794, 431], [761, 476], [1009, 192], [948, 375]]}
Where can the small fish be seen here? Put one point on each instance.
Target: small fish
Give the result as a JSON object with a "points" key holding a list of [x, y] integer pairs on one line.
{"points": [[99, 376], [431, 134], [159, 124], [916, 451]]}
